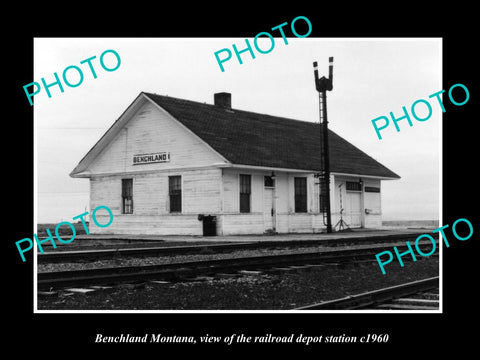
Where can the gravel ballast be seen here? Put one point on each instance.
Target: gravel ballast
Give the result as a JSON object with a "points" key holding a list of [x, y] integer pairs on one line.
{"points": [[203, 255], [265, 291]]}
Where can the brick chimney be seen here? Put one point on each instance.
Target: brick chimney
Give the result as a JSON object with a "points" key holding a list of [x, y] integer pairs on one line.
{"points": [[223, 99]]}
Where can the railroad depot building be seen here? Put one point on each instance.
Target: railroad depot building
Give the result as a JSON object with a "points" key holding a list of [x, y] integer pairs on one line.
{"points": [[174, 166]]}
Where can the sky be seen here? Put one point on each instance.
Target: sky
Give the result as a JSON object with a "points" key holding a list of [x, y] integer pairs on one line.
{"points": [[372, 77]]}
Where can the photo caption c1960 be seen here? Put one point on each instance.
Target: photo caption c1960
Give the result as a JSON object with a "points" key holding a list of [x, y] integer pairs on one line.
{"points": [[244, 339]]}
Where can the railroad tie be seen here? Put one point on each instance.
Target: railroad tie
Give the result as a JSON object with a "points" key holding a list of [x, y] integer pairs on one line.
{"points": [[415, 302], [81, 291], [250, 272]]}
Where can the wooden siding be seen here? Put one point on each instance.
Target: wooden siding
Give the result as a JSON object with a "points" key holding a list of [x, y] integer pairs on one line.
{"points": [[151, 130], [300, 223], [303, 222], [242, 224], [231, 190], [233, 222], [150, 225], [371, 201], [200, 195], [202, 192], [281, 192], [312, 198], [284, 190], [206, 188]]}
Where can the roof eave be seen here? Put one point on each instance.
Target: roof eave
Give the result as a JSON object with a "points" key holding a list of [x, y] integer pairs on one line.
{"points": [[84, 174], [271, 168], [381, 177]]}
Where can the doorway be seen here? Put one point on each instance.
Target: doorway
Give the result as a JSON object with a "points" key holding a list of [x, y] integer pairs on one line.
{"points": [[269, 204]]}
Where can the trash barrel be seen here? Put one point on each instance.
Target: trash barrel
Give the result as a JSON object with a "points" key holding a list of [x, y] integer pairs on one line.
{"points": [[209, 225]]}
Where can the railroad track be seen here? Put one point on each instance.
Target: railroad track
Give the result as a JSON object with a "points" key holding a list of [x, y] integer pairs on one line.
{"points": [[183, 270], [416, 295], [91, 255]]}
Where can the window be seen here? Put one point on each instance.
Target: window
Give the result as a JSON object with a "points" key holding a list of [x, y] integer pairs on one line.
{"points": [[127, 196], [269, 181], [300, 194], [175, 193], [353, 186], [245, 191]]}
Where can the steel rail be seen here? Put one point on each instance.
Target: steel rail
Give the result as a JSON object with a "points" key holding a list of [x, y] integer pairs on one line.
{"points": [[191, 268], [83, 255], [375, 297]]}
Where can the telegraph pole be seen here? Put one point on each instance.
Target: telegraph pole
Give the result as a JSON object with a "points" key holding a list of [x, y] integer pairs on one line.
{"points": [[323, 85]]}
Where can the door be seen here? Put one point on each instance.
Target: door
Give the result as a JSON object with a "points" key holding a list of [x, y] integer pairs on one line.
{"points": [[353, 210], [268, 210]]}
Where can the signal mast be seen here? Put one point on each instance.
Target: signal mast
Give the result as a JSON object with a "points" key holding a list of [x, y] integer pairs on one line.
{"points": [[323, 85]]}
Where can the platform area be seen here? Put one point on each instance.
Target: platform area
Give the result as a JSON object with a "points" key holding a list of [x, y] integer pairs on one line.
{"points": [[355, 233]]}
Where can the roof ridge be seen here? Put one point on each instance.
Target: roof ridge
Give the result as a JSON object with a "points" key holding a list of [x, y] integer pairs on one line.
{"points": [[236, 131], [255, 139], [261, 115]]}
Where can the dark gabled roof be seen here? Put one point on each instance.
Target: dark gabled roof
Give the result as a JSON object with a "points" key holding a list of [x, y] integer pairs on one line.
{"points": [[248, 138]]}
